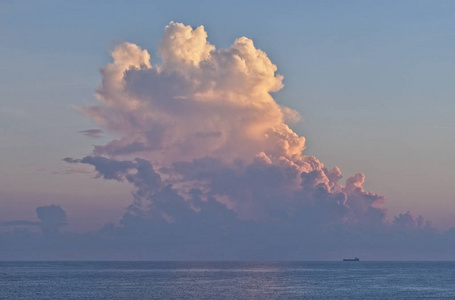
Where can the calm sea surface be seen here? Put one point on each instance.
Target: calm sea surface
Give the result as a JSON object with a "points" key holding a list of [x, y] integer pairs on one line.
{"points": [[227, 280]]}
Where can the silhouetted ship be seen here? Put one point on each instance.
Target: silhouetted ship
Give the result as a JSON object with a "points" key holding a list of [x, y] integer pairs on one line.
{"points": [[351, 259]]}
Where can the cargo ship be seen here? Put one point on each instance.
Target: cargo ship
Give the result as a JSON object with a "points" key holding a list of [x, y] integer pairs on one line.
{"points": [[351, 259]]}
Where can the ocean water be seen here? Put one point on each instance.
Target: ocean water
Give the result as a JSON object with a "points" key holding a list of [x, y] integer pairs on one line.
{"points": [[227, 280]]}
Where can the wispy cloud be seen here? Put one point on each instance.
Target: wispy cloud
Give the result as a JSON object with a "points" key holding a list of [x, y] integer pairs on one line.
{"points": [[93, 133]]}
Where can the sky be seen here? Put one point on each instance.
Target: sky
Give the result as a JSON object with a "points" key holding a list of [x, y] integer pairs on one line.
{"points": [[326, 122]]}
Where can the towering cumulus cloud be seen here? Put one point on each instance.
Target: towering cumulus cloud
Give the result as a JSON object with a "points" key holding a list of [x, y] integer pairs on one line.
{"points": [[205, 120], [210, 152], [199, 102]]}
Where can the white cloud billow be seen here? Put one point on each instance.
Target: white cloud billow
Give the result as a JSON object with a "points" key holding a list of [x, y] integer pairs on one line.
{"points": [[206, 120]]}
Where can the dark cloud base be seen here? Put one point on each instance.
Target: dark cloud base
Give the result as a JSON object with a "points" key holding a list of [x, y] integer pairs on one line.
{"points": [[163, 225], [245, 241]]}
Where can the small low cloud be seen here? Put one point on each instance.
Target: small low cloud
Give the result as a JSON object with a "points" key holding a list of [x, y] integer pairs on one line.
{"points": [[93, 133], [73, 170], [408, 220], [52, 218], [106, 168]]}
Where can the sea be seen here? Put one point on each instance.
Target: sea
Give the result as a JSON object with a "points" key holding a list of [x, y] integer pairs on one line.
{"points": [[227, 280]]}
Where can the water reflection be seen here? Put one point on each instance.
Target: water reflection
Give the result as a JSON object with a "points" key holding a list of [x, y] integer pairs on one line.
{"points": [[226, 280]]}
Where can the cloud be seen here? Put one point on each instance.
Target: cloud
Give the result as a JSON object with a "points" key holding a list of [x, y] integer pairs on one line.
{"points": [[199, 102], [216, 169], [207, 120], [203, 106], [52, 218], [211, 231], [409, 221], [93, 133], [108, 169]]}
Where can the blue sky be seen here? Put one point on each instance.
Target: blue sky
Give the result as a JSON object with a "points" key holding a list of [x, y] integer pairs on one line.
{"points": [[373, 82]]}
